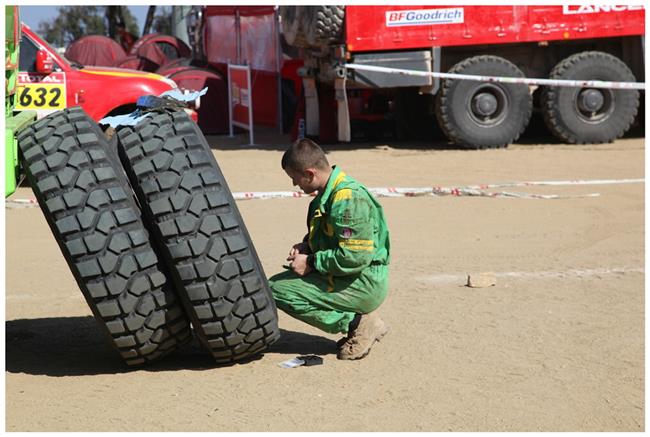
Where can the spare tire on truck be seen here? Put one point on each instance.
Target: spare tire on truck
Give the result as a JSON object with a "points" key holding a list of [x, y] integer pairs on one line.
{"points": [[203, 240], [312, 26], [89, 206], [323, 25]]}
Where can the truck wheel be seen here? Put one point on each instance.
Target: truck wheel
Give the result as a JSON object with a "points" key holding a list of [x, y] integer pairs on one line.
{"points": [[185, 198], [291, 17], [92, 213], [323, 25], [590, 115], [480, 115]]}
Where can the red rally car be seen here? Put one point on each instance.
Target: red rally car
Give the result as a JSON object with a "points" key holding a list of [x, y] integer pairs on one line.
{"points": [[48, 82]]}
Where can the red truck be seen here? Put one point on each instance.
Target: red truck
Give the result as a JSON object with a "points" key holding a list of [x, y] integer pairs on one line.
{"points": [[567, 42], [48, 82]]}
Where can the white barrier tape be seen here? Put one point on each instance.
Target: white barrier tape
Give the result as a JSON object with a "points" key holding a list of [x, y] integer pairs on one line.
{"points": [[470, 190], [379, 192], [437, 191], [269, 195], [515, 80], [557, 183], [460, 191], [23, 201]]}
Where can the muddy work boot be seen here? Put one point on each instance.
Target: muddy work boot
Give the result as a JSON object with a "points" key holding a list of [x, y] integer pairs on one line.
{"points": [[352, 326], [370, 329]]}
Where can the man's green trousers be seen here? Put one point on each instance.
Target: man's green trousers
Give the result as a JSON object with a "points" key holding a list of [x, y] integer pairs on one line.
{"points": [[307, 299]]}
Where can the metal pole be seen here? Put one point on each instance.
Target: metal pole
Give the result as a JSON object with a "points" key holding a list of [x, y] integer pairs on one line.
{"points": [[179, 24], [238, 36], [250, 104], [278, 67], [230, 101]]}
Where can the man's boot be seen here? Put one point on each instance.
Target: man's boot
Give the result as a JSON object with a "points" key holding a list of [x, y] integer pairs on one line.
{"points": [[352, 326], [370, 329]]}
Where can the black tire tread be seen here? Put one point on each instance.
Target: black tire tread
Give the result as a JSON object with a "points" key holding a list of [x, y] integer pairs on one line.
{"points": [[96, 222], [204, 241], [443, 104], [325, 25], [549, 97], [313, 27]]}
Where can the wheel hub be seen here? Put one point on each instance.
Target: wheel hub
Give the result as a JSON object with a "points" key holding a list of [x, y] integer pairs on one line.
{"points": [[484, 104], [591, 100]]}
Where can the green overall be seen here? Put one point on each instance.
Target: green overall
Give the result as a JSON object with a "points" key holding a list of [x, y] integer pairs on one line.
{"points": [[349, 239]]}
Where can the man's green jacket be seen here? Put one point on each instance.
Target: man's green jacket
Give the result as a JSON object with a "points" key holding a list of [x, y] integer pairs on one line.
{"points": [[347, 228]]}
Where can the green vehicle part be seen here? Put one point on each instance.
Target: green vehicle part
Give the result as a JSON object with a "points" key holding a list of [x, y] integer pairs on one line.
{"points": [[14, 123]]}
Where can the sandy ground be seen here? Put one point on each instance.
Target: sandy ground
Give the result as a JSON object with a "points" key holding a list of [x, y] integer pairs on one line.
{"points": [[556, 345]]}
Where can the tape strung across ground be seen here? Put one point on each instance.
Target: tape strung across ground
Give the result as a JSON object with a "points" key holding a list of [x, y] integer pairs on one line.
{"points": [[515, 80], [470, 190], [412, 192]]}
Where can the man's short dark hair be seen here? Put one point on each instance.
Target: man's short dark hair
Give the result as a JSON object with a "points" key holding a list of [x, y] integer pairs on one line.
{"points": [[304, 154]]}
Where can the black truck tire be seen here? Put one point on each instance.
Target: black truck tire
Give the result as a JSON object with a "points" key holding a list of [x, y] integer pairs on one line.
{"points": [[323, 25], [479, 115], [89, 206], [204, 242], [588, 115]]}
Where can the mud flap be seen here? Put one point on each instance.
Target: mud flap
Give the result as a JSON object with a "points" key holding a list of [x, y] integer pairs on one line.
{"points": [[343, 122], [312, 116]]}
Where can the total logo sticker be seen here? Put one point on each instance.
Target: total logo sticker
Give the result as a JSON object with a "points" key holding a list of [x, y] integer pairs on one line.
{"points": [[424, 17]]}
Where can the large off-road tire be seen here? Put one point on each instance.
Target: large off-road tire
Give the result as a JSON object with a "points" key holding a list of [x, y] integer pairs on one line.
{"points": [[90, 208], [589, 115], [480, 115], [323, 25], [186, 200]]}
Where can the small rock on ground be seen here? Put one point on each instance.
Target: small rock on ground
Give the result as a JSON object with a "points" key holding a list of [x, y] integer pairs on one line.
{"points": [[481, 280]]}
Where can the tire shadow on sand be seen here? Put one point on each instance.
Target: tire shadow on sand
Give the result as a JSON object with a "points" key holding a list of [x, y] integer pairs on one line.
{"points": [[76, 346]]}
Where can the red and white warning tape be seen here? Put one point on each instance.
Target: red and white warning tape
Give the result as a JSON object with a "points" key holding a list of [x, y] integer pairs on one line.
{"points": [[470, 190], [516, 80], [465, 191], [557, 183], [412, 192], [26, 202]]}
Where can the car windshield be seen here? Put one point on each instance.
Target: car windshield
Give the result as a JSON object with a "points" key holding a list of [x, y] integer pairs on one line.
{"points": [[59, 52]]}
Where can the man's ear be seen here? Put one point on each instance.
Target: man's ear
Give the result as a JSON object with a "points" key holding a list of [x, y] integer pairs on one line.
{"points": [[310, 174]]}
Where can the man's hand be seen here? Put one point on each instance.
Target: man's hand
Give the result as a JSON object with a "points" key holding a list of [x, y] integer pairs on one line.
{"points": [[299, 264], [299, 248]]}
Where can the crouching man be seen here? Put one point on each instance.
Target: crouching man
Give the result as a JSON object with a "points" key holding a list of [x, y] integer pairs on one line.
{"points": [[338, 274]]}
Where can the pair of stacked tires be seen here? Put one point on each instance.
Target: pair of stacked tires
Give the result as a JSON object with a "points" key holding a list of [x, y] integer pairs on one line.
{"points": [[152, 235]]}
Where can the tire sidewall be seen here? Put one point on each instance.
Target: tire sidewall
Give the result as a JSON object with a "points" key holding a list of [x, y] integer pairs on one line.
{"points": [[518, 98], [561, 102]]}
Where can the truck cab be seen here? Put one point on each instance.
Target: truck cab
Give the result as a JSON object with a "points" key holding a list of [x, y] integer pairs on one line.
{"points": [[48, 82]]}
